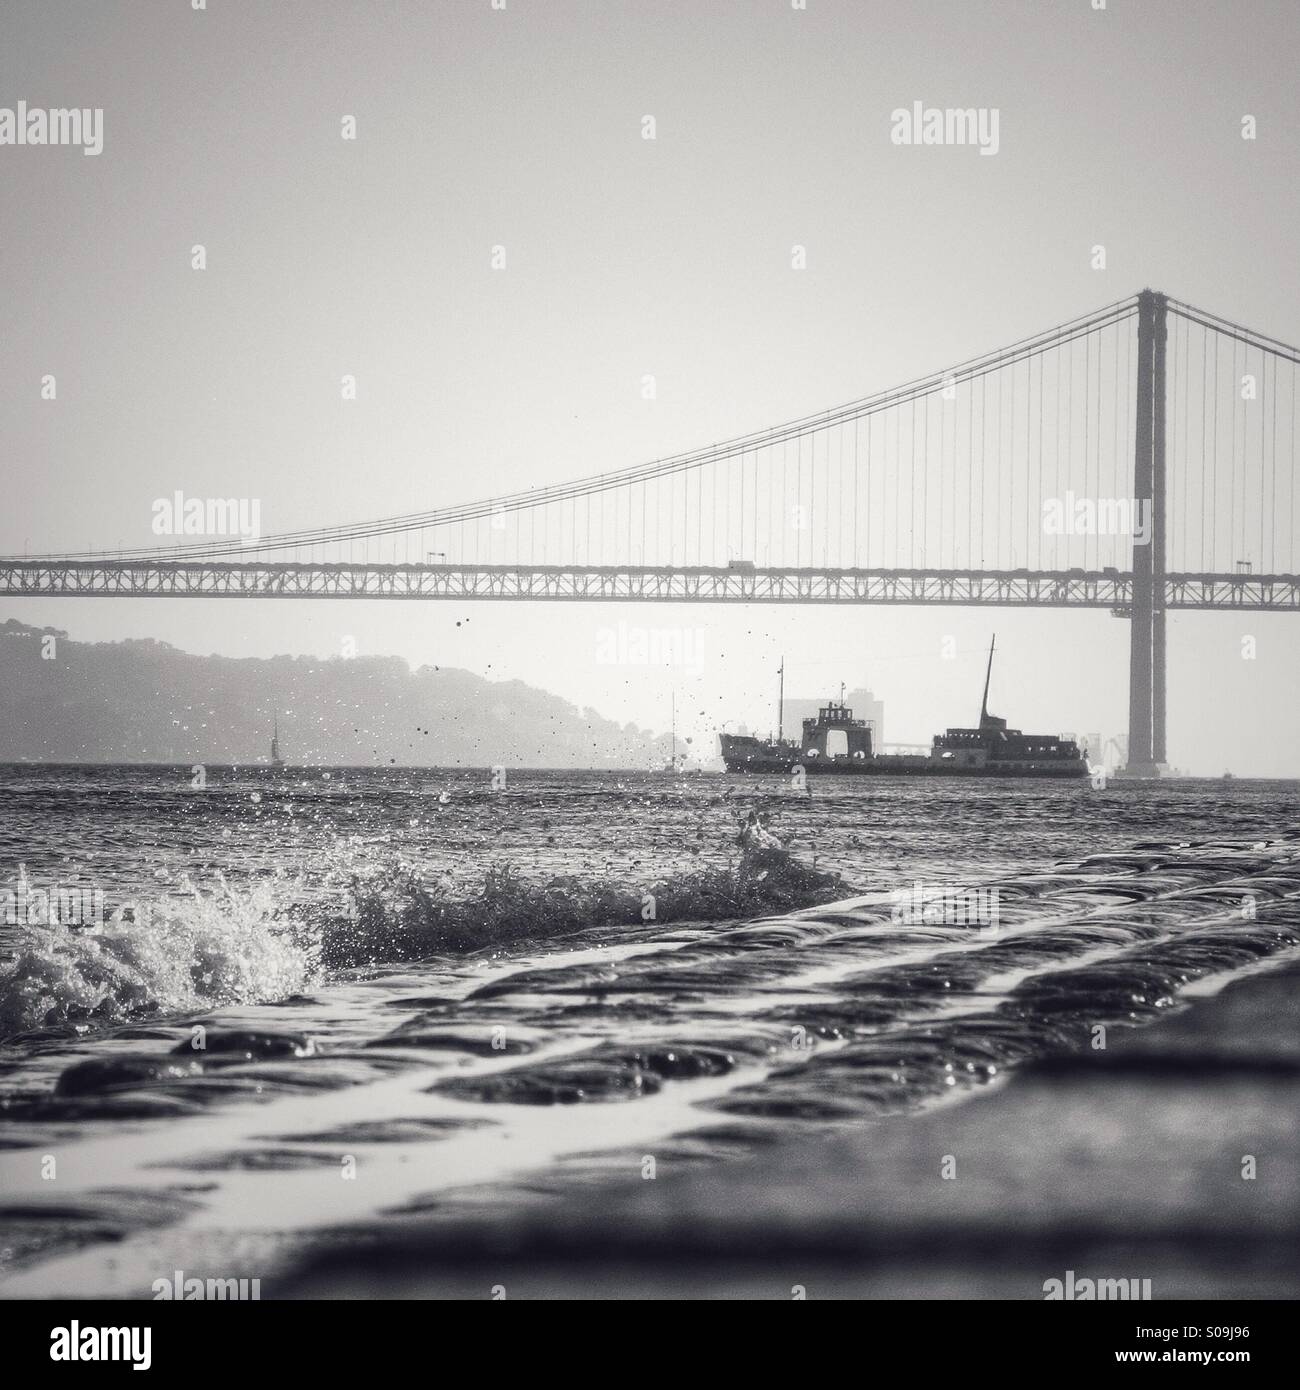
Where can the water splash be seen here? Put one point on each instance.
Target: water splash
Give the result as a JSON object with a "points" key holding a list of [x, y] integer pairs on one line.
{"points": [[262, 944], [396, 913], [232, 946]]}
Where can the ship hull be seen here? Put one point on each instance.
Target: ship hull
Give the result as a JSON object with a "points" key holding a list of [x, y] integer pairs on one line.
{"points": [[887, 767]]}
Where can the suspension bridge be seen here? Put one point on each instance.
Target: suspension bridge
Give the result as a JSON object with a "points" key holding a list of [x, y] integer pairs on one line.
{"points": [[1140, 459]]}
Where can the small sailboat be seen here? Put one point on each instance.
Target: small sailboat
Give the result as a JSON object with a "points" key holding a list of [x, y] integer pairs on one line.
{"points": [[671, 765], [276, 759]]}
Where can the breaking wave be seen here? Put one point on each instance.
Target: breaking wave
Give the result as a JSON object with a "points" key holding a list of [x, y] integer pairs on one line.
{"points": [[179, 956], [260, 945], [396, 914]]}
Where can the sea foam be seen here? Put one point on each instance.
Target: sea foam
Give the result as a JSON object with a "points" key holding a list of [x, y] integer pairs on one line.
{"points": [[224, 947]]}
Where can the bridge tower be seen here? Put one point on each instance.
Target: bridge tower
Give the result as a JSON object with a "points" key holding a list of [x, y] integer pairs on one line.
{"points": [[1146, 688]]}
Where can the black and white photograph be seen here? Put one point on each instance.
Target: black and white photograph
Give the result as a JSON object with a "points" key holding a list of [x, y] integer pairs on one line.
{"points": [[649, 651]]}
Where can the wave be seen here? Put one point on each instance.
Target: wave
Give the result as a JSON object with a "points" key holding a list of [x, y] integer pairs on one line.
{"points": [[171, 957], [261, 944], [395, 914]]}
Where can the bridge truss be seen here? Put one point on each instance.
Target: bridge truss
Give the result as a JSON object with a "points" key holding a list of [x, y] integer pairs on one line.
{"points": [[1107, 589]]}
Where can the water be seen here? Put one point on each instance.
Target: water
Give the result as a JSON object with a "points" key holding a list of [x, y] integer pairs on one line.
{"points": [[418, 992]]}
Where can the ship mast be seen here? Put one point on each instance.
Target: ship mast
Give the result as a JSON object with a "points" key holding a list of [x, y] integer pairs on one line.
{"points": [[674, 719], [984, 704], [780, 701], [275, 739]]}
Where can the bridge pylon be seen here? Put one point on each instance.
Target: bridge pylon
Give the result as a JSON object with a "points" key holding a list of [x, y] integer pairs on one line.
{"points": [[1147, 753]]}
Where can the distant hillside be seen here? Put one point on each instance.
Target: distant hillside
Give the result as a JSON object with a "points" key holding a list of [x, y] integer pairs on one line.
{"points": [[145, 701]]}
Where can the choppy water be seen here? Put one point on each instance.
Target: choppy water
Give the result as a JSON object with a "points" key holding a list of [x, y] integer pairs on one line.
{"points": [[580, 1032]]}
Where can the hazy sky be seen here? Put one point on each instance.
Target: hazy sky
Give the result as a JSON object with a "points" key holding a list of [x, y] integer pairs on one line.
{"points": [[522, 128]]}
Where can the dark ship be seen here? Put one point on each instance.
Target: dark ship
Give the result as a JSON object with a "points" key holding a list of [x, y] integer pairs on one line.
{"points": [[990, 750]]}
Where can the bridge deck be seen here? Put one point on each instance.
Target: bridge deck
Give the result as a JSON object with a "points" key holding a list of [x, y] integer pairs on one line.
{"points": [[580, 583]]}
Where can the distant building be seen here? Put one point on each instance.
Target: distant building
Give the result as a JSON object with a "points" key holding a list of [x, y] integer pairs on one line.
{"points": [[862, 702]]}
